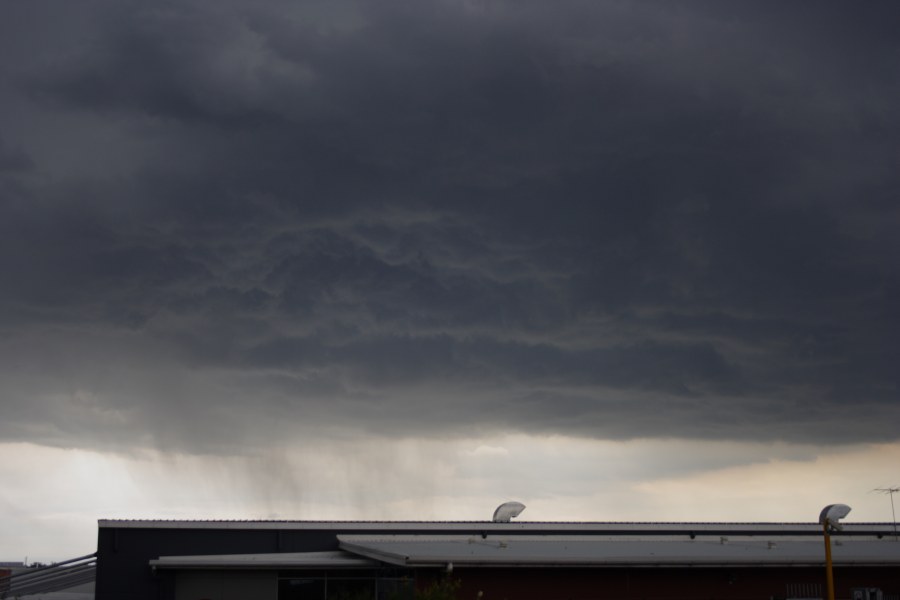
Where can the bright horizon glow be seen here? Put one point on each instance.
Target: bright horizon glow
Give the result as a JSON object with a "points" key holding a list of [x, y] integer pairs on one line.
{"points": [[52, 511]]}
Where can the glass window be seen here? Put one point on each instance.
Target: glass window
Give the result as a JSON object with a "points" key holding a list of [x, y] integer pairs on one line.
{"points": [[351, 589], [297, 587], [301, 589]]}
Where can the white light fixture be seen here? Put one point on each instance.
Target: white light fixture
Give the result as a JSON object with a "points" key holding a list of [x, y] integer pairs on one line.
{"points": [[507, 511]]}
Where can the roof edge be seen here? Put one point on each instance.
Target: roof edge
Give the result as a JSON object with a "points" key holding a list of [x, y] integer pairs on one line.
{"points": [[684, 528]]}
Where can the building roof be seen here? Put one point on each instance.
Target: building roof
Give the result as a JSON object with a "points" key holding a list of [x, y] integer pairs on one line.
{"points": [[594, 551], [63, 575], [512, 528], [283, 560], [522, 544]]}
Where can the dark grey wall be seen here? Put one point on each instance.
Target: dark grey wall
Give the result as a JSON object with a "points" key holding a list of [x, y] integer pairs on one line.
{"points": [[124, 554]]}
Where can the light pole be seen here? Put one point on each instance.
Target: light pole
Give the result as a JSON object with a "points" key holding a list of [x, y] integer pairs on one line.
{"points": [[829, 519]]}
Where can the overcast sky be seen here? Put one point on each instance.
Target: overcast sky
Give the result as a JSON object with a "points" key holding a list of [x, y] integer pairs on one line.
{"points": [[443, 254]]}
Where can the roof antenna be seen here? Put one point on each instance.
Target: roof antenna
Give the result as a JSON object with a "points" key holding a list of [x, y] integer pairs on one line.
{"points": [[891, 491], [507, 511]]}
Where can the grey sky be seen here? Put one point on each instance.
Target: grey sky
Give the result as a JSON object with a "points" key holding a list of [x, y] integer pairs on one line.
{"points": [[224, 224]]}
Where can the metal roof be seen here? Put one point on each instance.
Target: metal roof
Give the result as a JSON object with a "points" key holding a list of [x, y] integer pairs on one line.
{"points": [[59, 576], [488, 544], [284, 560], [514, 528], [551, 550]]}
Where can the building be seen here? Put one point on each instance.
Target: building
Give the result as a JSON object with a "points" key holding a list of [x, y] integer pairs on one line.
{"points": [[72, 579], [302, 560]]}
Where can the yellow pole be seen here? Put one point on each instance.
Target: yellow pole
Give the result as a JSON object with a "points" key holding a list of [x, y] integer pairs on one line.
{"points": [[829, 578]]}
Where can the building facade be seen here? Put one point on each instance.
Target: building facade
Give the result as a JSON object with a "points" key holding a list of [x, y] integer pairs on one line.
{"points": [[303, 560]]}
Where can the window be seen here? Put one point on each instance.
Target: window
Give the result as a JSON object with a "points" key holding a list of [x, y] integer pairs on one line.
{"points": [[297, 587]]}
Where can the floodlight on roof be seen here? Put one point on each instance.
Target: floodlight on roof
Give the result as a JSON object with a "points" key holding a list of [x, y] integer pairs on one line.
{"points": [[833, 513], [507, 511]]}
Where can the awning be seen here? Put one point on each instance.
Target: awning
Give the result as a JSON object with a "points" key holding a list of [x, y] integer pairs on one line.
{"points": [[525, 551], [282, 560]]}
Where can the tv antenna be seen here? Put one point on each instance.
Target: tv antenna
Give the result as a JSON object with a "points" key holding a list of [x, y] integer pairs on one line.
{"points": [[891, 490]]}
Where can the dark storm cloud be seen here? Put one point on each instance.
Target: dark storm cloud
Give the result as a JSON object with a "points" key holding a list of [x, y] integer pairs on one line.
{"points": [[13, 160], [610, 219]]}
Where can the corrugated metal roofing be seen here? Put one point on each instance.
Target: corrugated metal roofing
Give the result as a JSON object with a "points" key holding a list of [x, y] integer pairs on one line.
{"points": [[600, 551], [517, 527], [285, 560], [488, 544], [59, 576]]}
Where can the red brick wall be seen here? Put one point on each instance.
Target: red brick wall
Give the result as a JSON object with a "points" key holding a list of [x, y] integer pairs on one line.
{"points": [[4, 573]]}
